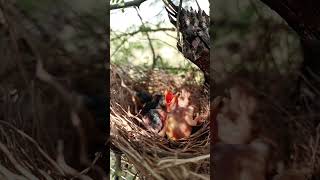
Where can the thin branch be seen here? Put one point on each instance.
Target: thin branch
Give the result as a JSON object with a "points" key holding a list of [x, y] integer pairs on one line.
{"points": [[7, 173], [154, 58], [166, 43], [118, 48], [68, 169], [175, 162], [142, 31], [95, 167], [135, 3]]}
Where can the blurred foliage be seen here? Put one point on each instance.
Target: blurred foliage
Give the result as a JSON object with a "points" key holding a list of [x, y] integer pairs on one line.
{"points": [[30, 5], [134, 50], [79, 28], [54, 26], [249, 36]]}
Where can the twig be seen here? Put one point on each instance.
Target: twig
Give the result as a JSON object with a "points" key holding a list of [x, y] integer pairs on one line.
{"points": [[200, 176], [118, 47], [199, 8], [8, 174], [15, 163], [46, 175], [175, 162], [154, 58], [65, 166], [92, 164], [142, 31], [76, 121]]}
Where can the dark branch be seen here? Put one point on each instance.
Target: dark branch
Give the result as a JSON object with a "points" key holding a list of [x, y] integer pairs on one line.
{"points": [[302, 16], [134, 3]]}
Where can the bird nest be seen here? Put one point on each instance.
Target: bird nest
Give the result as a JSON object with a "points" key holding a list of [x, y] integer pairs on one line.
{"points": [[153, 156]]}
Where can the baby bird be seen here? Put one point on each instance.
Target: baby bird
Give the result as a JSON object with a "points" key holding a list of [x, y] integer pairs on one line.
{"points": [[156, 102], [142, 97], [154, 113], [154, 120], [180, 116]]}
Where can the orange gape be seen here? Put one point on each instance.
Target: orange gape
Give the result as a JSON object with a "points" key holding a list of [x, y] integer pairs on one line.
{"points": [[171, 100]]}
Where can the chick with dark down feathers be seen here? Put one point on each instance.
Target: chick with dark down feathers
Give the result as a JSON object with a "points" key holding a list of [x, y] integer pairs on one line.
{"points": [[154, 114]]}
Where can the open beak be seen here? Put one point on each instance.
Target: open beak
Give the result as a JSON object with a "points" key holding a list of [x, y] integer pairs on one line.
{"points": [[171, 100]]}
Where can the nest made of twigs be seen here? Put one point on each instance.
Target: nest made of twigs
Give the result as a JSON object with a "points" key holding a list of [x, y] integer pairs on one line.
{"points": [[156, 157]]}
